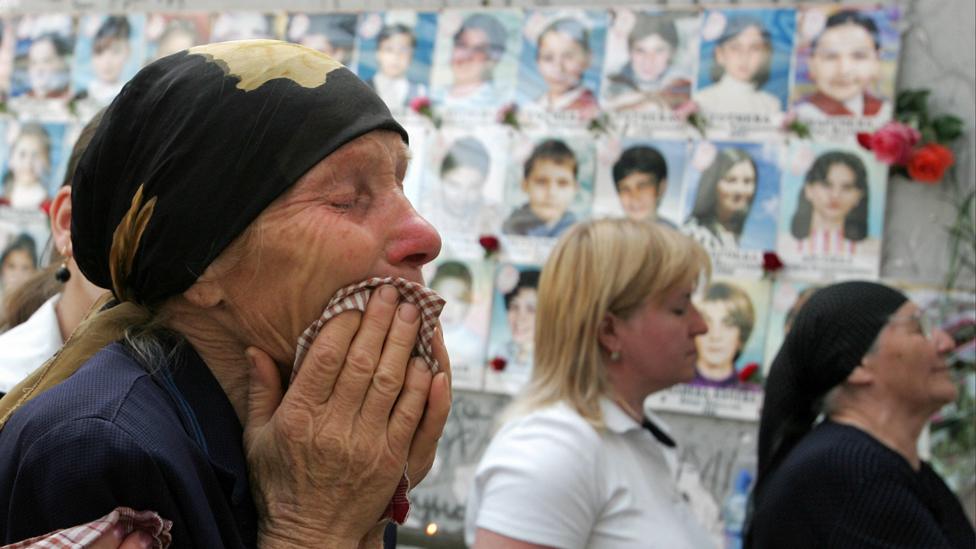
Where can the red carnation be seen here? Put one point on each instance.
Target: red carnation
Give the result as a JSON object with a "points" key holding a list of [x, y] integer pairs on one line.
{"points": [[771, 262], [748, 372], [498, 363], [490, 243], [928, 164], [419, 104]]}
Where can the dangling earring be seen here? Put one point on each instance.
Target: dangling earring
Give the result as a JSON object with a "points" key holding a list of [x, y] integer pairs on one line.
{"points": [[62, 274]]}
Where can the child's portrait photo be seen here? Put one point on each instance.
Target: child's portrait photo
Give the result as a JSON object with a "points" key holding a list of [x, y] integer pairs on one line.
{"points": [[42, 58], [243, 25], [735, 313], [731, 195], [561, 60], [168, 33], [512, 340], [845, 62], [745, 61], [640, 179], [832, 203], [650, 60], [550, 186], [395, 53], [333, 34], [30, 162], [476, 59], [109, 51]]}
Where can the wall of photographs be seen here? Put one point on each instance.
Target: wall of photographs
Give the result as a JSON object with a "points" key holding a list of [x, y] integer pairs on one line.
{"points": [[743, 187], [599, 96]]}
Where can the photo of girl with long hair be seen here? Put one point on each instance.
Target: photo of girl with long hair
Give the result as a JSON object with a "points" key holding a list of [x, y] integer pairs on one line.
{"points": [[512, 329], [732, 203], [833, 206], [109, 51], [27, 168]]}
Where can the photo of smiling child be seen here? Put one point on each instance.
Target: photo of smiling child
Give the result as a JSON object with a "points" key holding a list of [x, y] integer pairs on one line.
{"points": [[745, 61], [731, 195], [833, 207], [650, 60], [556, 179], [561, 60], [846, 62], [30, 163], [395, 51], [109, 51]]}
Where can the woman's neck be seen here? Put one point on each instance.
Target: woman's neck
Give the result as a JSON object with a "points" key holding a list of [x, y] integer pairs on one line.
{"points": [[818, 223], [891, 425]]}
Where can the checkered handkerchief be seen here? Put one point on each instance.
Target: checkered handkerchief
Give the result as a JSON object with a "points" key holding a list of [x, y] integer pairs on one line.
{"points": [[355, 297], [79, 537]]}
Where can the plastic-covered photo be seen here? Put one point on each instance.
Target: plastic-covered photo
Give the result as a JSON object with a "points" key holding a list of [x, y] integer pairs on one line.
{"points": [[789, 296], [466, 286], [109, 51], [31, 162], [23, 236], [333, 34], [549, 186], [744, 63], [731, 195], [651, 59], [735, 311], [464, 182], [168, 33], [42, 58], [561, 61], [476, 59], [243, 25], [8, 39], [640, 179], [846, 60], [832, 208], [420, 136], [512, 340], [395, 52]]}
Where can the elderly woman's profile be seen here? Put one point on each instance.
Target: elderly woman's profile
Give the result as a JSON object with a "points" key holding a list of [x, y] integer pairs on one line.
{"points": [[223, 229]]}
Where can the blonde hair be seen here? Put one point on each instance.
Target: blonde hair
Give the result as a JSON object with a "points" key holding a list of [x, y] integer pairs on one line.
{"points": [[598, 267]]}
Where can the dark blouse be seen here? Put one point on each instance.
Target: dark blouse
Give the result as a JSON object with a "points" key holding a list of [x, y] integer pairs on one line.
{"points": [[840, 487]]}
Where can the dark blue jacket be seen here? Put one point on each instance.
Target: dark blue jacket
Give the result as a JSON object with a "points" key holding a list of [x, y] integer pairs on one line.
{"points": [[114, 435]]}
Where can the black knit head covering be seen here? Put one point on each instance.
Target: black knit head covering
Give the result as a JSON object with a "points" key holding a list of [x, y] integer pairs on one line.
{"points": [[211, 136], [831, 334]]}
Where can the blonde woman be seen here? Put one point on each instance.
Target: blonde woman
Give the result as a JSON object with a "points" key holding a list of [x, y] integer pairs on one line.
{"points": [[577, 463]]}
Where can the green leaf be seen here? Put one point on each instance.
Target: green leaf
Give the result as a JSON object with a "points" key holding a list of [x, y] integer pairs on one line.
{"points": [[910, 101], [947, 127]]}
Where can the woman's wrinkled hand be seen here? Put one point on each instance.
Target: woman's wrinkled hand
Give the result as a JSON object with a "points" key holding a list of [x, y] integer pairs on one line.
{"points": [[326, 457]]}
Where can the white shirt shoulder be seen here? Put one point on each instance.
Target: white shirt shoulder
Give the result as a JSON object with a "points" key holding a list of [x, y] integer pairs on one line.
{"points": [[27, 346]]}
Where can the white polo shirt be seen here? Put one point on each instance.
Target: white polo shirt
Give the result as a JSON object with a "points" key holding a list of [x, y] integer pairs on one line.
{"points": [[27, 346], [550, 478]]}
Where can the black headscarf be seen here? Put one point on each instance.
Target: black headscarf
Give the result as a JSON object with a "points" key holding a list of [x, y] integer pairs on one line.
{"points": [[213, 135], [194, 147], [831, 334]]}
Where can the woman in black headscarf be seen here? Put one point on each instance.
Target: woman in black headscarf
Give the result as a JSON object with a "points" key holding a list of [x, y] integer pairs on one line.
{"points": [[228, 193], [872, 363]]}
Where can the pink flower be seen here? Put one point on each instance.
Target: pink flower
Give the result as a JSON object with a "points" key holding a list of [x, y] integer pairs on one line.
{"points": [[686, 109], [419, 104], [893, 142], [929, 163]]}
